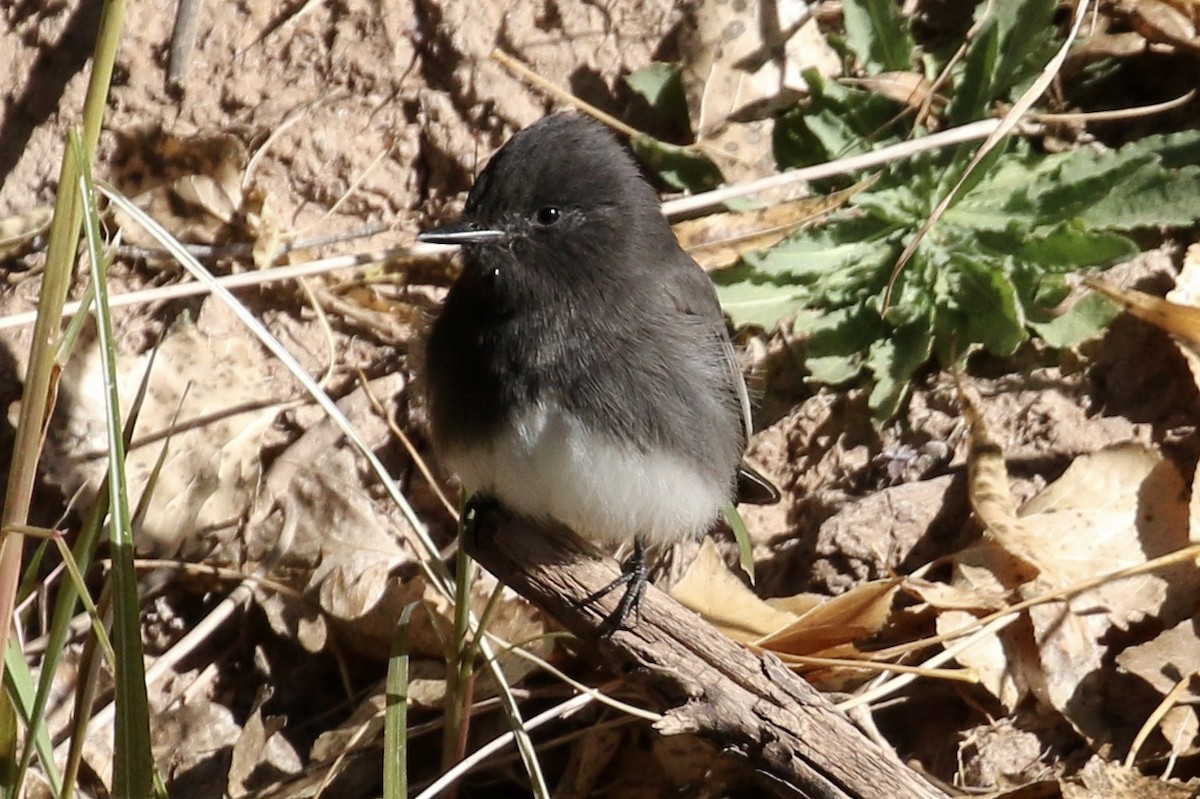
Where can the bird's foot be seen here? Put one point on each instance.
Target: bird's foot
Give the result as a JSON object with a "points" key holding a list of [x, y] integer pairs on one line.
{"points": [[633, 578], [473, 511]]}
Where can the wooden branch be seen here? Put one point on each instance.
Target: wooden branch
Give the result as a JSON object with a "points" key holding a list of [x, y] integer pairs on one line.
{"points": [[710, 686]]}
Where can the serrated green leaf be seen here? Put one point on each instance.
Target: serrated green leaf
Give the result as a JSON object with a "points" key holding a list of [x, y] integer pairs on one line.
{"points": [[951, 345], [757, 304], [893, 362], [833, 135], [989, 270], [973, 91], [837, 121], [988, 203], [1149, 199], [1087, 319], [896, 206], [1071, 245], [985, 220], [1047, 291], [1175, 150], [1013, 42], [1026, 43], [878, 35], [660, 84], [841, 252], [1081, 180], [841, 331], [808, 259], [833, 370], [681, 167], [994, 316]]}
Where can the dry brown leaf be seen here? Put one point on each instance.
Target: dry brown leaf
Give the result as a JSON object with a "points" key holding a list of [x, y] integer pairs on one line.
{"points": [[1161, 22], [960, 596], [1111, 510], [1082, 536], [720, 240], [992, 500], [838, 622], [364, 724], [907, 88], [1181, 321], [589, 763], [1180, 726], [997, 660], [1189, 7], [219, 196], [190, 185], [211, 403], [719, 41], [797, 604], [1161, 662], [742, 61], [712, 590], [1106, 45], [188, 734], [1187, 293], [193, 186], [261, 755], [426, 689], [1177, 314], [682, 759], [828, 628], [330, 540]]}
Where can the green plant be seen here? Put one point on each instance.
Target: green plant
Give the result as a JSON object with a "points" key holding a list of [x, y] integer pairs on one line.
{"points": [[990, 271]]}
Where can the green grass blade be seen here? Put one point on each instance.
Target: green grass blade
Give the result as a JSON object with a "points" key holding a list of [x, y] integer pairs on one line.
{"points": [[37, 395], [133, 763], [78, 560], [742, 536], [18, 681], [395, 715]]}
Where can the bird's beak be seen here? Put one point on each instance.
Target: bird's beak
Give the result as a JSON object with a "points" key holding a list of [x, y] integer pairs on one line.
{"points": [[461, 232]]}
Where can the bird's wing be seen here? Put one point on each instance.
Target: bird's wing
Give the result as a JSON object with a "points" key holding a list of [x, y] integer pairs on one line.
{"points": [[693, 293]]}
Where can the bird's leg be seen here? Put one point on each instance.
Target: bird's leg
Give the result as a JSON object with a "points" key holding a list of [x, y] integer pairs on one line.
{"points": [[633, 578], [473, 509]]}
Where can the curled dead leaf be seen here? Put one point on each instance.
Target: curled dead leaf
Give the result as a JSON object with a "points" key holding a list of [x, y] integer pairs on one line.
{"points": [[1161, 22], [907, 88], [831, 628], [712, 590], [991, 497], [1109, 514]]}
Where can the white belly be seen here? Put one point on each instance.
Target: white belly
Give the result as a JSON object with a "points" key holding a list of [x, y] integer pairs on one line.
{"points": [[547, 467]]}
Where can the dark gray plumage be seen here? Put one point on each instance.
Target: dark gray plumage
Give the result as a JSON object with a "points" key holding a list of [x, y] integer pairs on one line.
{"points": [[580, 369]]}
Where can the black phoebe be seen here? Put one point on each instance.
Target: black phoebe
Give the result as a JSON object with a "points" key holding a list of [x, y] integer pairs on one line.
{"points": [[580, 370]]}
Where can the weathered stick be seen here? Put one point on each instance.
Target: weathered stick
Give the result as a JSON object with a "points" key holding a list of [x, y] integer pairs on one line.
{"points": [[710, 686]]}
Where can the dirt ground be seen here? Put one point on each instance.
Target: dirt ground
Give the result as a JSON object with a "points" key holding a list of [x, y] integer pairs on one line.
{"points": [[367, 120]]}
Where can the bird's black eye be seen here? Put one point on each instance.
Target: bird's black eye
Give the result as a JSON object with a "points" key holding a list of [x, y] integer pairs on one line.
{"points": [[548, 215]]}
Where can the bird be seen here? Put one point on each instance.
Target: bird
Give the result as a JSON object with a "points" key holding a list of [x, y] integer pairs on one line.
{"points": [[580, 370]]}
